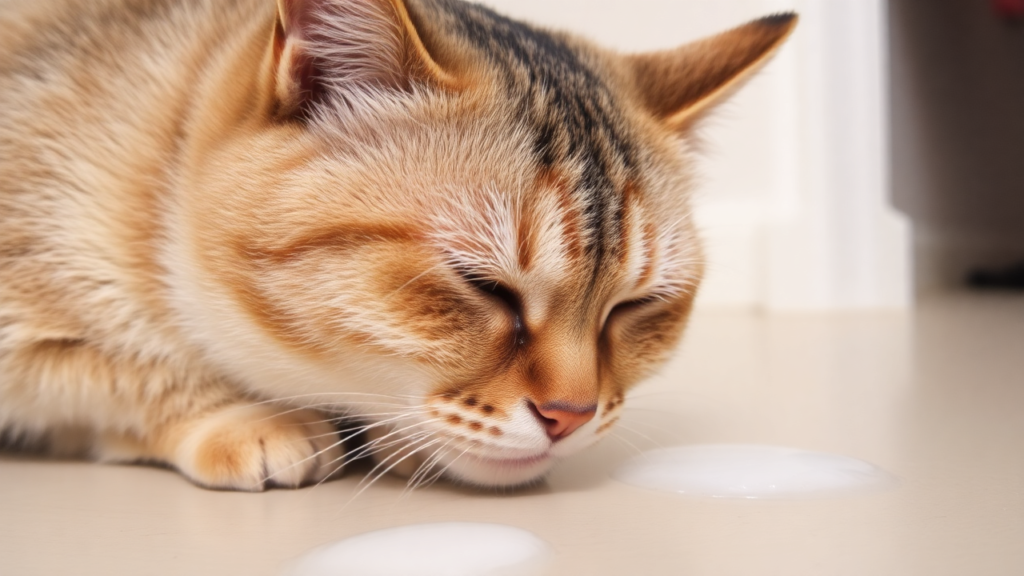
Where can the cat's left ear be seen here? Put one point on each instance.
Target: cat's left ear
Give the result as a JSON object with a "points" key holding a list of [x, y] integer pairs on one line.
{"points": [[341, 48], [679, 85]]}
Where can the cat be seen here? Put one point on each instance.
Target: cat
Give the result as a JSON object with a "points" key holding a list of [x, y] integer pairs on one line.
{"points": [[226, 223]]}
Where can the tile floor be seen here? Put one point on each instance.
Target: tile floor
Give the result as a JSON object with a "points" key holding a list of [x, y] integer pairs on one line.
{"points": [[935, 397]]}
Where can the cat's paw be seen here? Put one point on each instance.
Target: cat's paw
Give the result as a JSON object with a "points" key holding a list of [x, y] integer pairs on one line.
{"points": [[257, 447]]}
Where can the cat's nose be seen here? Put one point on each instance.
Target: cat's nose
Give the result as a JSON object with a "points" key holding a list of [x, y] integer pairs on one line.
{"points": [[561, 418]]}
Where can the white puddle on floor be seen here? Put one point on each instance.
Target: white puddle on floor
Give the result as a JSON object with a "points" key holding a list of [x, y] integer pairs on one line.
{"points": [[752, 472], [442, 549]]}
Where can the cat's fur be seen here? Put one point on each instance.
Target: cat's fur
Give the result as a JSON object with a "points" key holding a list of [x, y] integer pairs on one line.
{"points": [[472, 232]]}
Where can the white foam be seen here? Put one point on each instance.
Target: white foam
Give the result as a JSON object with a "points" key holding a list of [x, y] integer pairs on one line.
{"points": [[442, 549], [743, 471]]}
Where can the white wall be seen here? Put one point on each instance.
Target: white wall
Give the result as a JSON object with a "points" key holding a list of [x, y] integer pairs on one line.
{"points": [[794, 202]]}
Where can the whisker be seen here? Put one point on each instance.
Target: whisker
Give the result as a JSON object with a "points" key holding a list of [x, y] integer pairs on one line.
{"points": [[437, 475], [414, 278], [649, 393], [641, 434], [676, 434], [333, 472], [426, 467], [376, 447], [359, 428], [373, 447], [430, 481], [357, 416], [418, 438], [339, 420], [342, 465], [358, 453], [319, 405], [659, 410], [329, 394], [340, 442], [391, 467], [630, 444]]}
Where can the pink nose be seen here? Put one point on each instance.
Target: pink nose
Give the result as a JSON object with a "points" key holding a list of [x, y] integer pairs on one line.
{"points": [[561, 418]]}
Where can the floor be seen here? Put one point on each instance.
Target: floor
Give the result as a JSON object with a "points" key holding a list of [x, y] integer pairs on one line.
{"points": [[935, 397]]}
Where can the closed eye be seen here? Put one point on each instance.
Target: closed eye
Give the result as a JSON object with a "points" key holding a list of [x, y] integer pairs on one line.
{"points": [[497, 290], [628, 307], [634, 304], [508, 297]]}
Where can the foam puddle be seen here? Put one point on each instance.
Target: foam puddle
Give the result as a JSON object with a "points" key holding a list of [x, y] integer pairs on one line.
{"points": [[754, 472], [442, 549]]}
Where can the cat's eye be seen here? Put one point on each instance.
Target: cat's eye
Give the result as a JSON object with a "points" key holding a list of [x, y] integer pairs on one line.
{"points": [[506, 296], [497, 291], [630, 306]]}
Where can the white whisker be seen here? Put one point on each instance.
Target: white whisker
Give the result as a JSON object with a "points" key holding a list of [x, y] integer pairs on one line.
{"points": [[414, 278], [638, 433], [425, 468], [340, 442], [674, 433], [630, 444], [391, 467], [358, 453], [430, 481]]}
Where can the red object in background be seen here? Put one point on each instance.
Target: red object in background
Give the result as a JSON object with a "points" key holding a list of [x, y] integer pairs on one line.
{"points": [[1009, 9]]}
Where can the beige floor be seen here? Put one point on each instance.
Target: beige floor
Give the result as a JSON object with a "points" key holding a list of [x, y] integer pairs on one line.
{"points": [[936, 397]]}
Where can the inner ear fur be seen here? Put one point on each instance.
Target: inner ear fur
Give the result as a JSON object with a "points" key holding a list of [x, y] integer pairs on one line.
{"points": [[325, 48], [679, 85]]}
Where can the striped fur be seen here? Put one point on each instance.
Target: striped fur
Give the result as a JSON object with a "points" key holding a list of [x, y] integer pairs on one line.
{"points": [[225, 222]]}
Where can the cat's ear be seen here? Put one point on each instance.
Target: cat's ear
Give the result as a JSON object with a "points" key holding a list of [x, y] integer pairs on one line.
{"points": [[678, 85], [326, 48]]}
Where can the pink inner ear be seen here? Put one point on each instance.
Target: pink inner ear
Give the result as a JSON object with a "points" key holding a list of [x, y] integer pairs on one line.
{"points": [[298, 15], [296, 71], [344, 47]]}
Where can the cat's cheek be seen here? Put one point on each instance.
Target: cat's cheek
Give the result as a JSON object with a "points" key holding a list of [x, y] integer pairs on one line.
{"points": [[450, 325], [633, 348]]}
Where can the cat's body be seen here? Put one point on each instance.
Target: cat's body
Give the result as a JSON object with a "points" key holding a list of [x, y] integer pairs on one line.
{"points": [[471, 232]]}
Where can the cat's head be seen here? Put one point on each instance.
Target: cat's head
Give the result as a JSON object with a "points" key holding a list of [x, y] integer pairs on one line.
{"points": [[472, 230]]}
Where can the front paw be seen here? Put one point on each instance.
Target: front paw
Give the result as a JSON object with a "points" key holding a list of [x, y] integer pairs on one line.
{"points": [[257, 447]]}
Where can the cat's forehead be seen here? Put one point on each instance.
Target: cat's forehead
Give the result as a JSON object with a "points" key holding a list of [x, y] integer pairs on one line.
{"points": [[562, 103]]}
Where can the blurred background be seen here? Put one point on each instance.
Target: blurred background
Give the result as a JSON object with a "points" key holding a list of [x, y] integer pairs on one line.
{"points": [[879, 157]]}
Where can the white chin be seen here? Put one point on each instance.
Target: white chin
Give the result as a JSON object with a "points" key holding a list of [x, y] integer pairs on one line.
{"points": [[495, 472]]}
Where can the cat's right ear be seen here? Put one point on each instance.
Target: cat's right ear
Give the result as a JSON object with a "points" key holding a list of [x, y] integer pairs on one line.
{"points": [[346, 48], [678, 86]]}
